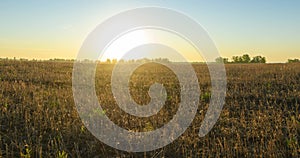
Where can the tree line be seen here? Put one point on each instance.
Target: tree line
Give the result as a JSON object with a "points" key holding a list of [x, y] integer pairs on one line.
{"points": [[245, 58], [293, 61]]}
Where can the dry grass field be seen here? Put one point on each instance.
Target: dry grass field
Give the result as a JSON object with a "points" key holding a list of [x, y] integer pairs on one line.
{"points": [[261, 117]]}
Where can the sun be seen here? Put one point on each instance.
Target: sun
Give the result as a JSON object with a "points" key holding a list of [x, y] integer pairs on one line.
{"points": [[123, 44]]}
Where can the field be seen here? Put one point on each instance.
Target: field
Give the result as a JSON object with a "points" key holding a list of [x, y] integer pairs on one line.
{"points": [[38, 118]]}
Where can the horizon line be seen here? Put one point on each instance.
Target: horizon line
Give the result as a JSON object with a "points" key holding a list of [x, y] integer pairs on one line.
{"points": [[126, 60]]}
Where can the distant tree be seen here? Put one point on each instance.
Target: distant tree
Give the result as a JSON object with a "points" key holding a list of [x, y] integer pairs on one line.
{"points": [[108, 61], [246, 58], [241, 59], [143, 60], [164, 60], [225, 60], [23, 59], [221, 60], [237, 59], [293, 60], [258, 59]]}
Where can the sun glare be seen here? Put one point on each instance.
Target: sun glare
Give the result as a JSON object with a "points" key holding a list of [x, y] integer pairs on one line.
{"points": [[119, 47]]}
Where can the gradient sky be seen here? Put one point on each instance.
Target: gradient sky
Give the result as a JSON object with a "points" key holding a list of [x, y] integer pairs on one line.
{"points": [[55, 29]]}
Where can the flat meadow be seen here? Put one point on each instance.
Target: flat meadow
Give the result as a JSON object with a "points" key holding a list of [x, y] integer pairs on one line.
{"points": [[260, 118]]}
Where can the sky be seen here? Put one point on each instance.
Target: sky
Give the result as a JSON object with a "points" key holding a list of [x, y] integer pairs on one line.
{"points": [[56, 29]]}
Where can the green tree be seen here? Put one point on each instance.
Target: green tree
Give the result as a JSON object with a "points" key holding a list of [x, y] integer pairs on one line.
{"points": [[293, 60], [221, 60], [258, 59], [237, 59], [246, 58], [241, 59]]}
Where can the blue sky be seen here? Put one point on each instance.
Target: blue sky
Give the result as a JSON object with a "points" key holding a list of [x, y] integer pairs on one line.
{"points": [[49, 29]]}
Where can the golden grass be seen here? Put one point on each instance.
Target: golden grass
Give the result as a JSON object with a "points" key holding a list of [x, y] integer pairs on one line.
{"points": [[261, 117]]}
